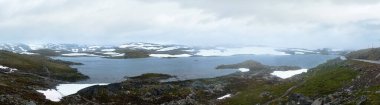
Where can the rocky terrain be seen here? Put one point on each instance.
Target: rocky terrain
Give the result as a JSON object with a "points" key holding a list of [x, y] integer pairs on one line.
{"points": [[22, 75], [253, 65], [368, 54]]}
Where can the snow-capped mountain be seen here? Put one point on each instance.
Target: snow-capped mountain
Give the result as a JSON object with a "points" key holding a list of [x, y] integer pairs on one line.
{"points": [[66, 48], [137, 50], [15, 47], [63, 47], [153, 47]]}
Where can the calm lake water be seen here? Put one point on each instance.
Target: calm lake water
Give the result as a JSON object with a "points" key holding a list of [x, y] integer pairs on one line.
{"points": [[102, 70]]}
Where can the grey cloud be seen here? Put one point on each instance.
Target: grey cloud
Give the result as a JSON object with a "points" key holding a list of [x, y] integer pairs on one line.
{"points": [[281, 23]]}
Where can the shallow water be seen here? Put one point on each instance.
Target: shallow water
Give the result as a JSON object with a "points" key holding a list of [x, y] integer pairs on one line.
{"points": [[102, 70]]}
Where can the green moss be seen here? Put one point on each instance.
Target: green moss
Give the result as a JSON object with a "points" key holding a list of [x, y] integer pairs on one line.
{"points": [[253, 94], [372, 94], [369, 54], [41, 65], [46, 52], [326, 80]]}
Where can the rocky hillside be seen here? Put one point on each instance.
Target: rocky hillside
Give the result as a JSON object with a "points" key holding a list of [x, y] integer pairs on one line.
{"points": [[368, 54], [19, 89], [21, 75], [41, 65], [254, 65], [338, 82]]}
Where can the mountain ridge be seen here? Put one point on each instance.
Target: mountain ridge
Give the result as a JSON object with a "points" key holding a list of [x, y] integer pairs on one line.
{"points": [[142, 50]]}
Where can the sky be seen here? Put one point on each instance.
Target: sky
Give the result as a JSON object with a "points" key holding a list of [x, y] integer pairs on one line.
{"points": [[344, 24]]}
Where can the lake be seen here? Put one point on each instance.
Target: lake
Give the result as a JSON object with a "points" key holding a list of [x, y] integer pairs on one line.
{"points": [[103, 70]]}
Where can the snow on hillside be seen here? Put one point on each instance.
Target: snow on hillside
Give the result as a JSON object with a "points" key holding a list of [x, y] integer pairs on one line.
{"points": [[114, 54], [35, 46], [289, 73], [77, 54], [146, 46], [64, 90], [243, 69], [224, 97], [159, 50], [28, 53], [15, 47], [169, 48], [108, 50], [240, 51], [150, 46], [6, 69], [169, 56]]}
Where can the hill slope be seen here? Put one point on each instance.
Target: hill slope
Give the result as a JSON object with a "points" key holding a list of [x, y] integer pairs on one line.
{"points": [[31, 73], [40, 65]]}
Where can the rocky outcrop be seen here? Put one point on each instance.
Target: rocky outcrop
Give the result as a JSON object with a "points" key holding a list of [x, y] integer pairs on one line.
{"points": [[368, 54], [246, 64], [255, 66]]}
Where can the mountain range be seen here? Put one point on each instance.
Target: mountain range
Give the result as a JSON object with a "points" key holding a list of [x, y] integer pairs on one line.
{"points": [[142, 50]]}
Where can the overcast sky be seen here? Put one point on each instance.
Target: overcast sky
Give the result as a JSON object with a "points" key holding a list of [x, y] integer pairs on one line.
{"points": [[279, 23]]}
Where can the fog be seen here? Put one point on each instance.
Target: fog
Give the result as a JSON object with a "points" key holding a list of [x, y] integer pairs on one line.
{"points": [[344, 24]]}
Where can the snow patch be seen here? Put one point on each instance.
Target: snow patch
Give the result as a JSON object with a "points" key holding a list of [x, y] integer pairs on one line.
{"points": [[169, 56], [107, 50], [75, 50], [10, 70], [94, 47], [146, 46], [303, 50], [240, 51], [63, 90], [343, 58], [190, 50], [113, 54], [243, 69], [224, 97], [28, 53], [77, 54], [168, 49], [299, 53], [336, 50], [22, 49], [289, 73]]}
